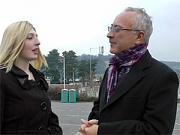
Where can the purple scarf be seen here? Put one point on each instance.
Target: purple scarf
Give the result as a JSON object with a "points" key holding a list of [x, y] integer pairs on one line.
{"points": [[127, 58]]}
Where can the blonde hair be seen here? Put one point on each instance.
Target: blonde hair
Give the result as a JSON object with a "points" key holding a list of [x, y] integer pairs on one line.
{"points": [[12, 44]]}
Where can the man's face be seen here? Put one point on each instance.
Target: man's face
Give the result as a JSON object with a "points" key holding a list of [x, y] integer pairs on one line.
{"points": [[121, 37]]}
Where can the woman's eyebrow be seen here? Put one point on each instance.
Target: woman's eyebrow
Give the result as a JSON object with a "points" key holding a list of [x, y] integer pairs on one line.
{"points": [[32, 34]]}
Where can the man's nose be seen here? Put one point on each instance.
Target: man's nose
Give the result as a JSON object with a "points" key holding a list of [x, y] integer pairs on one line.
{"points": [[110, 34]]}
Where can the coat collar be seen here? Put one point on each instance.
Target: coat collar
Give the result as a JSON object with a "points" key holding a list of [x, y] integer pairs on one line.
{"points": [[19, 72], [135, 74], [26, 84], [22, 77]]}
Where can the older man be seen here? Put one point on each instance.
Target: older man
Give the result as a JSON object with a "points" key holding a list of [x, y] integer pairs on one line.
{"points": [[138, 94]]}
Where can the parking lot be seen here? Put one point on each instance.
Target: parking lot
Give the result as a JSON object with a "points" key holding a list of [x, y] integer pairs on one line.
{"points": [[71, 113]]}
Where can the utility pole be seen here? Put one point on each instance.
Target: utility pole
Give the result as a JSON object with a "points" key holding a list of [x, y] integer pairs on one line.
{"points": [[90, 67], [64, 71], [101, 51]]}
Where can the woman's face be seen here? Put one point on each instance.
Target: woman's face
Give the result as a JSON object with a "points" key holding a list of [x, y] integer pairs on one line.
{"points": [[31, 47]]}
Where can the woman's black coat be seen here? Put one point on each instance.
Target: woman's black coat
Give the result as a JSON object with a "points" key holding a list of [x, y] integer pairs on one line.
{"points": [[25, 105]]}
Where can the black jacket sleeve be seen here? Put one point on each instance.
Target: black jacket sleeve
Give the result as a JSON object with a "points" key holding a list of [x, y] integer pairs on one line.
{"points": [[54, 125]]}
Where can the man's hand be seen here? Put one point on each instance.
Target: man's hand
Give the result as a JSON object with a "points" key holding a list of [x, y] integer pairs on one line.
{"points": [[88, 127]]}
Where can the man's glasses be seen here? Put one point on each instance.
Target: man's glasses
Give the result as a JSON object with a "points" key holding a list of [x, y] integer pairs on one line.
{"points": [[118, 29]]}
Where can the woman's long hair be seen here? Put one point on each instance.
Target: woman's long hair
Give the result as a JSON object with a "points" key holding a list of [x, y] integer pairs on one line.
{"points": [[12, 44]]}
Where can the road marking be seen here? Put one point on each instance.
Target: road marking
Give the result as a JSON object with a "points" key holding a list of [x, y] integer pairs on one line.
{"points": [[177, 123], [70, 124], [73, 115]]}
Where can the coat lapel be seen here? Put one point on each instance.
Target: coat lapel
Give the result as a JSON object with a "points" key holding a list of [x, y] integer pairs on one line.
{"points": [[130, 80], [103, 91]]}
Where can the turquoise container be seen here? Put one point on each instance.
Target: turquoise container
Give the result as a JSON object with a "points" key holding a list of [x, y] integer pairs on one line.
{"points": [[72, 96], [64, 95]]}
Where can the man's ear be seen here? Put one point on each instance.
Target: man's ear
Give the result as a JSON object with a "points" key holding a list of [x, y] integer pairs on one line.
{"points": [[140, 37]]}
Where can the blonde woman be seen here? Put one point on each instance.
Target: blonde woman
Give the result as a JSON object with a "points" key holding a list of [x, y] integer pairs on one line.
{"points": [[25, 105]]}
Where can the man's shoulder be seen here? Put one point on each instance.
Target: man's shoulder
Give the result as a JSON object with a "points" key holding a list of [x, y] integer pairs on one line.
{"points": [[160, 69], [161, 64]]}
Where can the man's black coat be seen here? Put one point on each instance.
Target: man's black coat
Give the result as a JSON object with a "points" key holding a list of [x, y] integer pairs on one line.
{"points": [[144, 101]]}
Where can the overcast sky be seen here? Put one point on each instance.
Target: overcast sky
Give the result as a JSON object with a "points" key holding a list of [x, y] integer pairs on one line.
{"points": [[79, 25]]}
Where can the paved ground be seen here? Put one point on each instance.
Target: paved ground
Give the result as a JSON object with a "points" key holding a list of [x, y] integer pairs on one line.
{"points": [[71, 113]]}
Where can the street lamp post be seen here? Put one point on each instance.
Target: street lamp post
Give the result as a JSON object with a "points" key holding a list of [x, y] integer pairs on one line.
{"points": [[64, 70], [73, 77], [101, 51], [90, 67]]}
